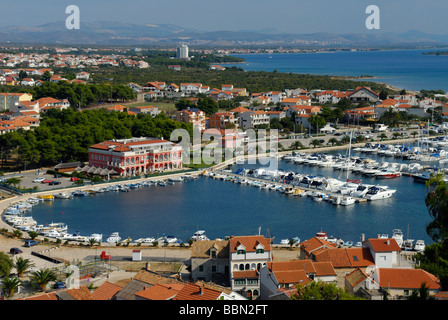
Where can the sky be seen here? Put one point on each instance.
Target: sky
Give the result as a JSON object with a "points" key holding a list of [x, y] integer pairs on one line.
{"points": [[295, 16]]}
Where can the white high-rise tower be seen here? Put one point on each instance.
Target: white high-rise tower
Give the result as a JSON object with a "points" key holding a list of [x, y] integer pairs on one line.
{"points": [[182, 52]]}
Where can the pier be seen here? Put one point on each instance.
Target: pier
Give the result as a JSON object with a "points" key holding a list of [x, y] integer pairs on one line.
{"points": [[284, 184]]}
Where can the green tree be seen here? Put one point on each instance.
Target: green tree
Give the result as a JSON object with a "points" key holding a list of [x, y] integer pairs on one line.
{"points": [[208, 105], [43, 277], [421, 294], [33, 234], [6, 265], [46, 76], [436, 201], [333, 141], [317, 121], [315, 142], [10, 285], [318, 290], [22, 265]]}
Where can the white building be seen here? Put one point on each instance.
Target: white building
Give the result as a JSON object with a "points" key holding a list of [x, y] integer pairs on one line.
{"points": [[248, 255], [182, 52], [252, 119]]}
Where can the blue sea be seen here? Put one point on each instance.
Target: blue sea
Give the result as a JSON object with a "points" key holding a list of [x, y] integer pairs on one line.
{"points": [[404, 69], [223, 208]]}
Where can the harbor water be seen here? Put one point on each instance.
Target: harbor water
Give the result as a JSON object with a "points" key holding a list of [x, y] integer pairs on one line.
{"points": [[223, 208]]}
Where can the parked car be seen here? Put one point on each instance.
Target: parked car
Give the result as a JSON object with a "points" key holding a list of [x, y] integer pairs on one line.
{"points": [[57, 175], [30, 243], [53, 183], [39, 179], [46, 181], [59, 285], [74, 179], [15, 251]]}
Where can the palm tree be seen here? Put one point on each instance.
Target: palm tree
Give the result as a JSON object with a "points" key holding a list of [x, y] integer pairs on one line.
{"points": [[382, 136], [22, 265], [43, 277], [33, 234], [17, 233], [10, 285], [92, 241], [333, 141], [315, 142], [414, 133]]}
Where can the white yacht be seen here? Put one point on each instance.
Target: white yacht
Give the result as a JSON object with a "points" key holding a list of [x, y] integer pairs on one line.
{"points": [[62, 195], [114, 238], [419, 245], [346, 201], [377, 193], [145, 240], [96, 236], [199, 235], [398, 236]]}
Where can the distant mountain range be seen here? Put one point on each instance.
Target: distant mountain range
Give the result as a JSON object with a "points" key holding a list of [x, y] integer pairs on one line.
{"points": [[119, 33]]}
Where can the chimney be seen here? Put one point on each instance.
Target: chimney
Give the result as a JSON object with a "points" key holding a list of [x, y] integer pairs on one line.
{"points": [[388, 242], [201, 290], [379, 236], [363, 237]]}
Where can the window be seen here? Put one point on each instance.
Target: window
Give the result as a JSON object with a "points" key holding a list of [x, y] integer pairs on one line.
{"points": [[242, 251], [201, 268], [213, 268], [260, 251], [241, 282]]}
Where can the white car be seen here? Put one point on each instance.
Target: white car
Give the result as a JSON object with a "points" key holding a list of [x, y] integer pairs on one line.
{"points": [[39, 179]]}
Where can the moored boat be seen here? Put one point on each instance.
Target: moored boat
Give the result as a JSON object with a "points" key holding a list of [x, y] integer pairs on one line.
{"points": [[113, 238]]}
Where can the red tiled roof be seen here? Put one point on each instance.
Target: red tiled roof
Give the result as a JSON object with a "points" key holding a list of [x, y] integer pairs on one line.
{"points": [[249, 242], [195, 292], [384, 245], [407, 278], [161, 291], [106, 291]]}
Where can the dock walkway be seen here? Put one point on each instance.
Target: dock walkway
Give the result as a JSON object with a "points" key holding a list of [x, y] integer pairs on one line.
{"points": [[284, 184]]}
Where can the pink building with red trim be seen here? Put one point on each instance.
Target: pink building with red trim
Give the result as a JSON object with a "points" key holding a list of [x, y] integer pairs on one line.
{"points": [[130, 157]]}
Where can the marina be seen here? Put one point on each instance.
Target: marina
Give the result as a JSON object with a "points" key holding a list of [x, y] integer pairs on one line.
{"points": [[305, 195]]}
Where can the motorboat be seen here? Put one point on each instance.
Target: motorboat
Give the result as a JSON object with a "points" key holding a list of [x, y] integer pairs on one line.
{"points": [[408, 245], [145, 240], [321, 235], [377, 193], [79, 193], [170, 239], [398, 236], [47, 197], [348, 243], [176, 179], [62, 195], [114, 238], [58, 226], [96, 237], [361, 190], [419, 245], [199, 235], [346, 201], [53, 233], [284, 242], [387, 174]]}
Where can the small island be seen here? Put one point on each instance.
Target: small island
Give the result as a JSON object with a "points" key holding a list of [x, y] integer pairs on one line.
{"points": [[436, 53]]}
